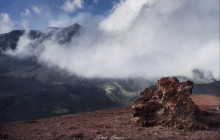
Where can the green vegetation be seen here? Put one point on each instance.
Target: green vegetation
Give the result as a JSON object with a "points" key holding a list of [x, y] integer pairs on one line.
{"points": [[60, 110], [117, 93]]}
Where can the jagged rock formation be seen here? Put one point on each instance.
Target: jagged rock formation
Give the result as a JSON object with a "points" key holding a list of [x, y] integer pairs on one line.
{"points": [[168, 104]]}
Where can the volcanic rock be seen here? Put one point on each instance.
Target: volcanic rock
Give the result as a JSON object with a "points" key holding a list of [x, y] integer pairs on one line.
{"points": [[168, 104]]}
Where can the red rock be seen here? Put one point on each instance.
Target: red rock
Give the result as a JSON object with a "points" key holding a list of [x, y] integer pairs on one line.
{"points": [[168, 104]]}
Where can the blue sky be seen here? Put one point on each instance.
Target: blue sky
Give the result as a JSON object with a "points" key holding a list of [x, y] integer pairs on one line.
{"points": [[23, 10]]}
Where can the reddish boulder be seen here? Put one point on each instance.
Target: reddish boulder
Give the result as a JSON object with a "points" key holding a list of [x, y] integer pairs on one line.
{"points": [[168, 104]]}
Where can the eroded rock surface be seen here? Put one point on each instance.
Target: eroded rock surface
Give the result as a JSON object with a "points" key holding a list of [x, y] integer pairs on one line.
{"points": [[168, 104]]}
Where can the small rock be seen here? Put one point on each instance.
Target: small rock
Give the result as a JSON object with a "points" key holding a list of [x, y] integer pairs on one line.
{"points": [[139, 129], [96, 132], [77, 135], [3, 136]]}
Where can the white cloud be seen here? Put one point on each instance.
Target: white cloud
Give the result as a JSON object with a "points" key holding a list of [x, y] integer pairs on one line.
{"points": [[158, 38], [6, 24], [23, 47], [24, 24], [26, 12], [26, 19], [95, 1], [123, 14], [36, 10], [72, 5]]}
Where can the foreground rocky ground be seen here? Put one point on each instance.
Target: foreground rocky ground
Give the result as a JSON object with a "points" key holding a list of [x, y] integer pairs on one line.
{"points": [[109, 124]]}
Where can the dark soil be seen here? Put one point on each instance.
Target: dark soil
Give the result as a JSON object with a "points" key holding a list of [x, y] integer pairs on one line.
{"points": [[110, 124]]}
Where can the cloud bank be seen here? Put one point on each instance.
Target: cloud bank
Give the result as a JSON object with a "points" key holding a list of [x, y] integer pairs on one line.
{"points": [[148, 38]]}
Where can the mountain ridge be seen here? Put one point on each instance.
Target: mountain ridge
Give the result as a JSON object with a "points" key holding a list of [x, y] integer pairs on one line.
{"points": [[9, 40]]}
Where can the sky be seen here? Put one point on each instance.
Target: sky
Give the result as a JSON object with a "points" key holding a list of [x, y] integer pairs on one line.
{"points": [[38, 14], [124, 38]]}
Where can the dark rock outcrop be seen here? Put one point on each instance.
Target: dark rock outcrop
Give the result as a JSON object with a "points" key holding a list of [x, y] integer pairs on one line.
{"points": [[168, 104]]}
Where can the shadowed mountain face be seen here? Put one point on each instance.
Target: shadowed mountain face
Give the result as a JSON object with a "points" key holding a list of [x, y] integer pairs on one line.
{"points": [[9, 40], [207, 88], [29, 90]]}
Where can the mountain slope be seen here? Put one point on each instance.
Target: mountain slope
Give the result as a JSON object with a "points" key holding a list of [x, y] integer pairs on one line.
{"points": [[207, 88], [30, 90]]}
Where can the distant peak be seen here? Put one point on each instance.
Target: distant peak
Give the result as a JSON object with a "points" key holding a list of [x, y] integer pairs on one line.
{"points": [[76, 25]]}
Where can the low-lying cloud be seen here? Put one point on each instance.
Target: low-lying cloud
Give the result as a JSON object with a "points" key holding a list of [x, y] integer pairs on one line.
{"points": [[146, 38]]}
